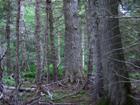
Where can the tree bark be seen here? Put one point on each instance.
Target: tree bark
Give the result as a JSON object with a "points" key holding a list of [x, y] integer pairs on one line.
{"points": [[47, 42], [17, 72], [8, 21], [94, 48], [37, 42], [91, 28], [72, 48], [22, 35], [52, 40], [116, 81]]}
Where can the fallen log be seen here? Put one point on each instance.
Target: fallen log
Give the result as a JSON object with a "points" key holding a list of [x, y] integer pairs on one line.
{"points": [[21, 89]]}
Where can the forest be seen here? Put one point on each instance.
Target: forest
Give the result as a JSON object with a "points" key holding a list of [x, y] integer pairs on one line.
{"points": [[69, 52]]}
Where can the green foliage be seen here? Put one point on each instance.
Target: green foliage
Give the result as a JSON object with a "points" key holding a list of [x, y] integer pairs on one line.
{"points": [[135, 75], [103, 101], [30, 73], [8, 81], [2, 4], [51, 68], [29, 16], [60, 71], [85, 69], [82, 97]]}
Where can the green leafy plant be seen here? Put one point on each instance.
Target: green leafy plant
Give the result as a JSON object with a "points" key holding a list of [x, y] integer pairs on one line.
{"points": [[8, 81], [30, 73], [135, 75], [60, 71]]}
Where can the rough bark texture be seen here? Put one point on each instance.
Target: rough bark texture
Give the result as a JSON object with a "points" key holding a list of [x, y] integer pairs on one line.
{"points": [[17, 45], [37, 42], [90, 42], [22, 36], [72, 48], [94, 47], [17, 71], [52, 40], [91, 27], [8, 21], [114, 71], [47, 42]]}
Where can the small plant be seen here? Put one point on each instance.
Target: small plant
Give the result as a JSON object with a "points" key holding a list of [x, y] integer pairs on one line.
{"points": [[30, 73], [60, 71], [8, 81], [103, 101], [135, 75]]}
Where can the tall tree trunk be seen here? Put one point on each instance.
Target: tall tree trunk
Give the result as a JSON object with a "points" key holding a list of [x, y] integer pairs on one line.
{"points": [[94, 48], [37, 42], [52, 40], [22, 35], [72, 48], [90, 24], [47, 42], [116, 84], [91, 28], [8, 21], [17, 55], [82, 29]]}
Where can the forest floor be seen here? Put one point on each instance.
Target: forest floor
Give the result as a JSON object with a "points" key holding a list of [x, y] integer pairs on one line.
{"points": [[65, 95], [75, 95], [59, 93], [55, 93]]}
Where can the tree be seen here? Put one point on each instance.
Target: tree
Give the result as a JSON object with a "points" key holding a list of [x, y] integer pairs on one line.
{"points": [[37, 42], [53, 50], [17, 72], [8, 21], [72, 48], [91, 25], [46, 51], [116, 81], [94, 48], [22, 35]]}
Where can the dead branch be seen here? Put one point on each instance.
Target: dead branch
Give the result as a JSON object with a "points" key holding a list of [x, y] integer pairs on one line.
{"points": [[1, 58]]}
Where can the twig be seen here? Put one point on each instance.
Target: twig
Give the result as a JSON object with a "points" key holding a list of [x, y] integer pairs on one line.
{"points": [[3, 56]]}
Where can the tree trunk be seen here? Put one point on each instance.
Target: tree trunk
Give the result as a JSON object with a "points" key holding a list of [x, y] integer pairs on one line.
{"points": [[37, 42], [52, 40], [72, 48], [94, 48], [91, 28], [17, 72], [22, 35], [8, 21], [47, 42], [116, 82]]}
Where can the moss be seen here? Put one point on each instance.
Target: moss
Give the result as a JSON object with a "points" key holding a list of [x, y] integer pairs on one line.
{"points": [[103, 101]]}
